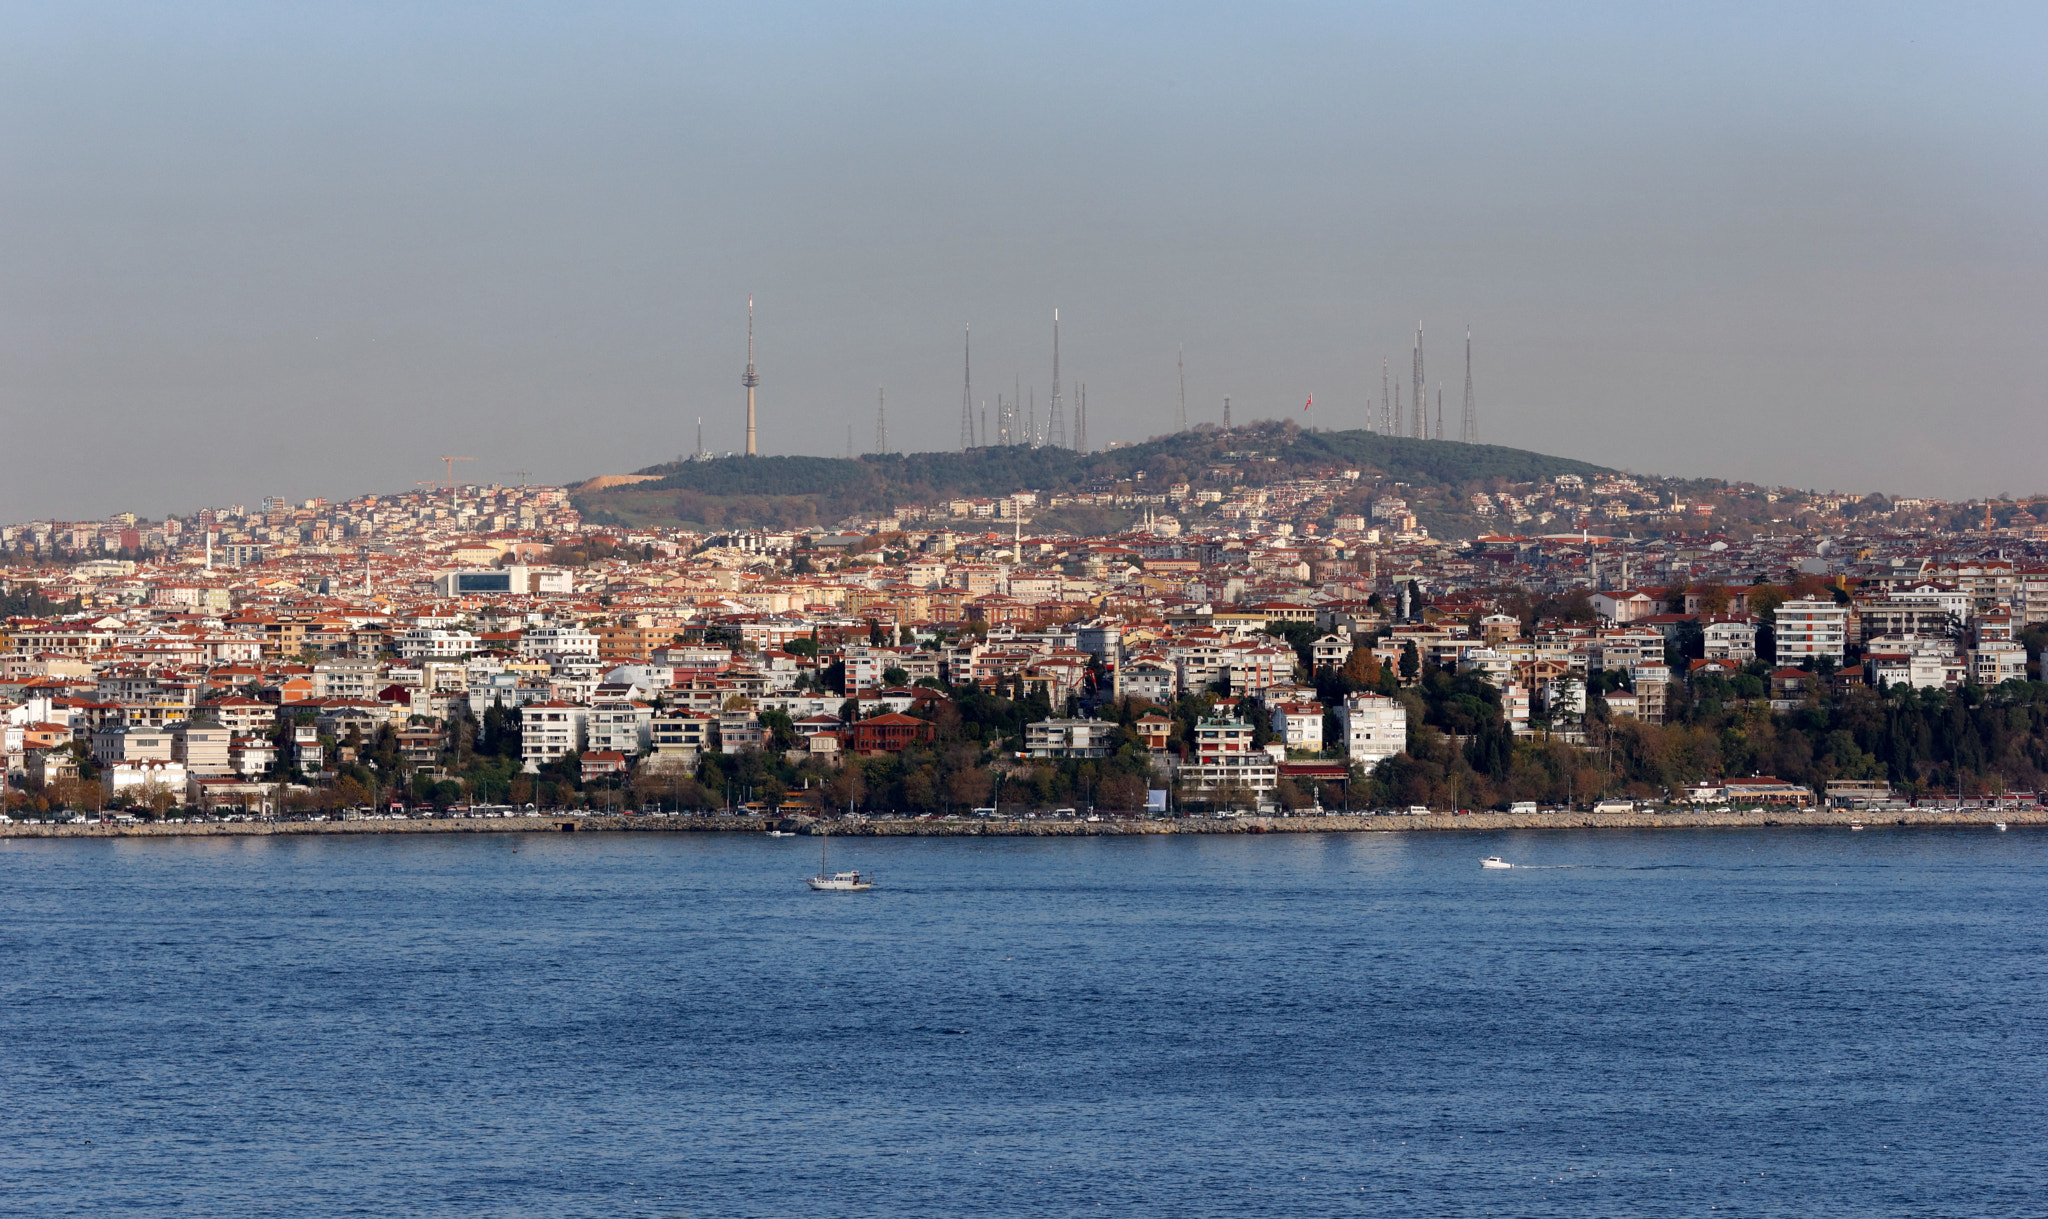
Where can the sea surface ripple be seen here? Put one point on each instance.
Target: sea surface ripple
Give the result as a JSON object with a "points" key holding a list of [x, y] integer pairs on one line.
{"points": [[1773, 1022]]}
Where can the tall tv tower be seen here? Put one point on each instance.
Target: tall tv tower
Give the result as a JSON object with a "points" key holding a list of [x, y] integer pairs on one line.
{"points": [[1469, 432], [967, 390], [751, 379], [1416, 393], [1055, 418], [881, 421], [1226, 414]]}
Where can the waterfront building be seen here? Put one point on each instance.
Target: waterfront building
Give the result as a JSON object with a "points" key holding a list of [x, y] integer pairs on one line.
{"points": [[1226, 765], [1374, 728], [1069, 738]]}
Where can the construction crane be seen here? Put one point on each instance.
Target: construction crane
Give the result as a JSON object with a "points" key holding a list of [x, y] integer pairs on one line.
{"points": [[521, 475], [450, 461]]}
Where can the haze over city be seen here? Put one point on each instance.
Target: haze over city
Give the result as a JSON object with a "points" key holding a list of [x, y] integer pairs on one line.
{"points": [[304, 252]]}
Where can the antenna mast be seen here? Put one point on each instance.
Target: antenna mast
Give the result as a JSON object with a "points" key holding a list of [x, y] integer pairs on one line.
{"points": [[1226, 414], [1469, 432], [1056, 419], [967, 387], [751, 379], [1416, 391], [881, 421]]}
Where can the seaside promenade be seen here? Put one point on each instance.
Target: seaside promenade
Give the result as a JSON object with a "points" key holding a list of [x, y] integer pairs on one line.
{"points": [[887, 827]]}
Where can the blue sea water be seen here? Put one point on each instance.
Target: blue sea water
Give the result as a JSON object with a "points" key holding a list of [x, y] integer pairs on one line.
{"points": [[1776, 1022]]}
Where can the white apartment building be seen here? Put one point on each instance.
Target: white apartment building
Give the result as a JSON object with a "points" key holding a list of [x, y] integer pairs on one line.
{"points": [[1919, 668], [550, 729], [1299, 724], [1152, 680], [433, 643], [1730, 640], [141, 778], [136, 744], [682, 735], [347, 679], [865, 665], [1810, 630], [1375, 728], [1515, 705], [558, 641], [1224, 758], [1993, 662], [1068, 738], [202, 748], [625, 726]]}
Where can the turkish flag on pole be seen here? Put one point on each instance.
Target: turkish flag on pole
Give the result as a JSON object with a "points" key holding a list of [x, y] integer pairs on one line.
{"points": [[1311, 402]]}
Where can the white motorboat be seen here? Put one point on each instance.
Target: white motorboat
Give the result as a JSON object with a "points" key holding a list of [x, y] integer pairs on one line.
{"points": [[828, 881], [2001, 827], [1855, 825], [841, 882], [780, 834], [1494, 861]]}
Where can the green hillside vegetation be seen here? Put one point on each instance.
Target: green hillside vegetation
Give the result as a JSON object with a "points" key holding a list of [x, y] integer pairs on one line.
{"points": [[792, 492]]}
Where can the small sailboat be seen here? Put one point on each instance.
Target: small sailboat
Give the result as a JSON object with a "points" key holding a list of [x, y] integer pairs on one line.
{"points": [[1494, 861], [828, 881]]}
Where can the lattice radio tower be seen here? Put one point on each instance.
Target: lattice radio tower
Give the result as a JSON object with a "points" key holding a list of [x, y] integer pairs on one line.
{"points": [[1055, 417], [881, 421], [967, 387], [1469, 432], [1416, 393]]}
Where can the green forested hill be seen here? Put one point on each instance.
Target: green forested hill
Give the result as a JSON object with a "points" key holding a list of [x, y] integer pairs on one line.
{"points": [[783, 492]]}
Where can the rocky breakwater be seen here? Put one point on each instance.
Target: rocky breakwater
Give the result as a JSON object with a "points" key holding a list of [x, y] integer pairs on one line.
{"points": [[1108, 827], [1349, 823], [541, 823]]}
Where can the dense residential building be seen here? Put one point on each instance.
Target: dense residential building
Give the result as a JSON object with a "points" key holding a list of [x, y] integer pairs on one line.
{"points": [[1374, 728], [1068, 738], [1812, 630]]}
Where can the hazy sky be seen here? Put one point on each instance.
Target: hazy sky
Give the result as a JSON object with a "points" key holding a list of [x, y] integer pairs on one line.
{"points": [[304, 249]]}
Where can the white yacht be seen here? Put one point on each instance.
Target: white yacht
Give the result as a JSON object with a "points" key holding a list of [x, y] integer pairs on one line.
{"points": [[1494, 861], [828, 881]]}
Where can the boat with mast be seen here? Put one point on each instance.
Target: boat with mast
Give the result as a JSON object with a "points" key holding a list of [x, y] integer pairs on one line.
{"points": [[828, 881]]}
